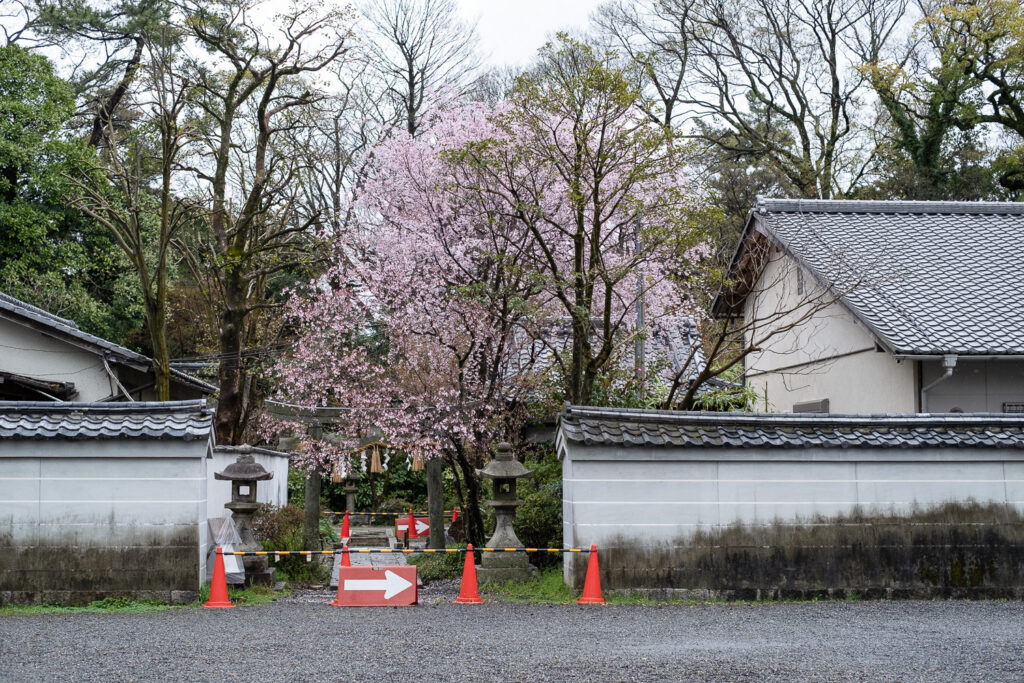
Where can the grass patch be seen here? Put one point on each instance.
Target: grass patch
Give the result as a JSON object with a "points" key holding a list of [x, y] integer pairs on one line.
{"points": [[548, 588], [248, 595], [437, 567], [106, 605], [251, 595]]}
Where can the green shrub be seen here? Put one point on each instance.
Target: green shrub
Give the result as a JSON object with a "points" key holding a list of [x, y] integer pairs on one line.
{"points": [[539, 522], [296, 487], [280, 528], [397, 482], [399, 505], [438, 567], [539, 519]]}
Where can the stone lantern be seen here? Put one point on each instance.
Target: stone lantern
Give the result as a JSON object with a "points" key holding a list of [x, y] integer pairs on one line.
{"points": [[504, 470], [243, 475], [350, 488]]}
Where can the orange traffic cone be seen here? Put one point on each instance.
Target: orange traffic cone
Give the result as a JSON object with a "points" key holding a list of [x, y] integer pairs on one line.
{"points": [[592, 586], [412, 524], [455, 514], [219, 586], [344, 563], [344, 527], [468, 594]]}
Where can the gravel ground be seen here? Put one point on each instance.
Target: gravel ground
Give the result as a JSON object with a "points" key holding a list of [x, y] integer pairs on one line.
{"points": [[301, 637]]}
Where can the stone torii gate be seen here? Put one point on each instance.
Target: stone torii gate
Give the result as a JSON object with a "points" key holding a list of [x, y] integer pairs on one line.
{"points": [[319, 418]]}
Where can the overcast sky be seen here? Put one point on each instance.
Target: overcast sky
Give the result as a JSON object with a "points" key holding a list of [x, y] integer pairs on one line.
{"points": [[511, 31]]}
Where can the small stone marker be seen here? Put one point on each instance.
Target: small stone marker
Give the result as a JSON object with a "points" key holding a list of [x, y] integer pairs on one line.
{"points": [[377, 586]]}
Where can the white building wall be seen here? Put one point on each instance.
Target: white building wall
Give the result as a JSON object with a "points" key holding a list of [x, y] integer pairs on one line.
{"points": [[661, 496], [273, 491], [125, 515], [821, 352], [864, 383], [24, 351]]}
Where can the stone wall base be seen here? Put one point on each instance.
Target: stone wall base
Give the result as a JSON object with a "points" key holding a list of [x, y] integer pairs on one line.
{"points": [[960, 550], [80, 598]]}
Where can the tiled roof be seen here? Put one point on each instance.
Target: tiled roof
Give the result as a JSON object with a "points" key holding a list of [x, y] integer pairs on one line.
{"points": [[62, 327], [670, 341], [186, 420], [928, 278], [680, 429]]}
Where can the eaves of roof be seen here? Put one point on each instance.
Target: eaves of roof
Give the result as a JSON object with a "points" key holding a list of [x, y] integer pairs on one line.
{"points": [[67, 331], [679, 429]]}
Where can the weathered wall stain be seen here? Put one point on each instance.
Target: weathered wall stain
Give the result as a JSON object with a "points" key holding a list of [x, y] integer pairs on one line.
{"points": [[954, 550], [158, 563]]}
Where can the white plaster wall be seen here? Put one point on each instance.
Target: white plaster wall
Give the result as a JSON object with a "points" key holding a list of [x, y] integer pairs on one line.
{"points": [[975, 386], [827, 355], [776, 303], [26, 352], [273, 491], [84, 494], [661, 496], [864, 383]]}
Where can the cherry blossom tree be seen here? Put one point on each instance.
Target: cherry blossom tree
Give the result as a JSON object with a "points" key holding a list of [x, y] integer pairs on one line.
{"points": [[472, 237], [412, 327], [603, 195]]}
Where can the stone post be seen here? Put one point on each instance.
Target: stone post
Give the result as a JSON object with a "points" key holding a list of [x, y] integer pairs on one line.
{"points": [[311, 525]]}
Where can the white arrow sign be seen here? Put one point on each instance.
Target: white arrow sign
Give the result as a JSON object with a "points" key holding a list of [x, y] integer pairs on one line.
{"points": [[392, 584], [420, 526]]}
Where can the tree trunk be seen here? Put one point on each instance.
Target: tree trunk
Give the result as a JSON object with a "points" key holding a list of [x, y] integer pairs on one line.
{"points": [[230, 419], [435, 503], [106, 110], [161, 356], [474, 519]]}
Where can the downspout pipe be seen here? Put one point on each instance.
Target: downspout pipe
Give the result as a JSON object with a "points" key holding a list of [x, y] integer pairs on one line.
{"points": [[949, 363]]}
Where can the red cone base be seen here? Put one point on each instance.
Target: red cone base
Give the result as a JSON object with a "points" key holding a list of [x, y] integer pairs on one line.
{"points": [[592, 586], [468, 594], [344, 563], [219, 585]]}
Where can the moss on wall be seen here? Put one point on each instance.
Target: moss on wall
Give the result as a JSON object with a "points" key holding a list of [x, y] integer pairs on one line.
{"points": [[159, 564], [954, 550]]}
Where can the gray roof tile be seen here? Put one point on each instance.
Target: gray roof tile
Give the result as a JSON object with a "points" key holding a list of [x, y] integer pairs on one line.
{"points": [[937, 277], [681, 429], [186, 420]]}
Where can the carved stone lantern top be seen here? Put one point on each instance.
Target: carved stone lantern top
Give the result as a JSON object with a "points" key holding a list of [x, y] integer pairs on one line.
{"points": [[504, 466], [244, 469], [243, 474]]}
